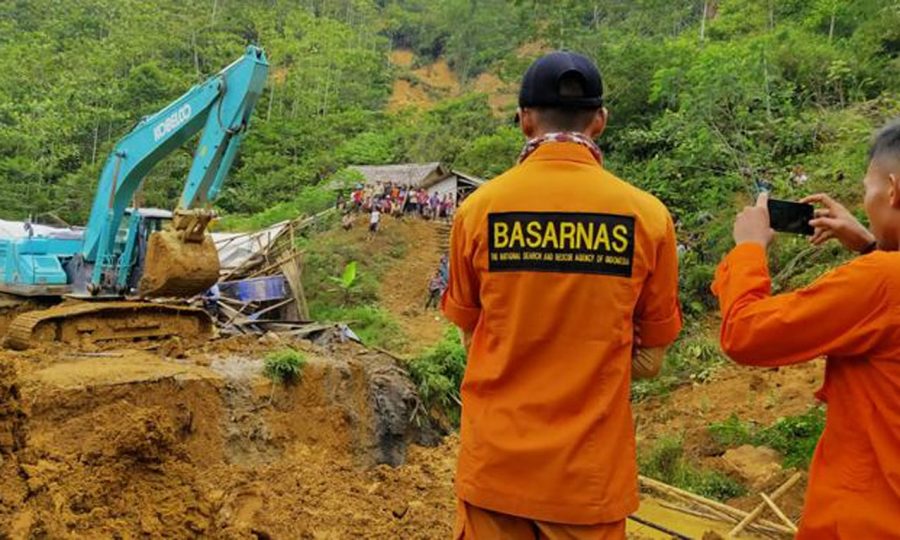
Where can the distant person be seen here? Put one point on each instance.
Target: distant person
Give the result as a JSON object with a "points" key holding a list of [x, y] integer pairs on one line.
{"points": [[374, 221], [552, 264], [444, 268], [412, 201], [851, 316], [434, 205], [423, 202], [347, 221], [798, 176], [435, 288]]}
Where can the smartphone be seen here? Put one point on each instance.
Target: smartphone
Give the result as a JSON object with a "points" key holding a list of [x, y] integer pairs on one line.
{"points": [[791, 217]]}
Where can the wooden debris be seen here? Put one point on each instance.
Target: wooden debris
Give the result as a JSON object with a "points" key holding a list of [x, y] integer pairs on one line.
{"points": [[778, 512], [277, 257], [734, 513], [762, 506], [658, 527]]}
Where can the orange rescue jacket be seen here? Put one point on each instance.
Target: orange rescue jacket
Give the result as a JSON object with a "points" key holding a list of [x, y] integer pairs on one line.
{"points": [[852, 316], [551, 263]]}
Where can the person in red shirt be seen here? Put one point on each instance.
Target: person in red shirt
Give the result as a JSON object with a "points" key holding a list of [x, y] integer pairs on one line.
{"points": [[851, 316]]}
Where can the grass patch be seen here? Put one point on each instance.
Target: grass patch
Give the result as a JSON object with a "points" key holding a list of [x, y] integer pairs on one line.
{"points": [[328, 253], [693, 358], [284, 366], [795, 437], [374, 326], [438, 373], [666, 462]]}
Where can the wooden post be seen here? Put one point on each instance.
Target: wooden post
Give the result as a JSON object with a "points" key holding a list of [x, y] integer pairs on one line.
{"points": [[292, 274]]}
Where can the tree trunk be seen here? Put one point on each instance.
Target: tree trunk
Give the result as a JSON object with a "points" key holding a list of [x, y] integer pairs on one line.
{"points": [[771, 15], [271, 100], [831, 26], [196, 56], [96, 137], [703, 20], [768, 91]]}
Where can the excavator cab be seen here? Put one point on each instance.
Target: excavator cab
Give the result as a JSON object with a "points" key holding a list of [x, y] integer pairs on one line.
{"points": [[161, 254]]}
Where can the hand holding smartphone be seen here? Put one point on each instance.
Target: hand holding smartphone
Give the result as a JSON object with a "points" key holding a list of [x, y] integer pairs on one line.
{"points": [[791, 217]]}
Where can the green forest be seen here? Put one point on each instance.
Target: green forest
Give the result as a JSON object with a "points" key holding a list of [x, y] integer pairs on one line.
{"points": [[707, 98]]}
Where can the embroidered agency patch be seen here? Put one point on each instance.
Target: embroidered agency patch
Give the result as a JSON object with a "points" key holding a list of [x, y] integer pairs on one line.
{"points": [[568, 242]]}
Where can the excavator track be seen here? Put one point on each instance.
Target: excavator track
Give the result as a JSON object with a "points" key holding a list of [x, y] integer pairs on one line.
{"points": [[101, 322]]}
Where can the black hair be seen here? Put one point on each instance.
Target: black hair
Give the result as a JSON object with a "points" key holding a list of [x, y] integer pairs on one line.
{"points": [[564, 118], [886, 142]]}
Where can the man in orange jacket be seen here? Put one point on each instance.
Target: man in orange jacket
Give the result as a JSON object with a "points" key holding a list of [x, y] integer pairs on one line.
{"points": [[552, 265], [851, 315]]}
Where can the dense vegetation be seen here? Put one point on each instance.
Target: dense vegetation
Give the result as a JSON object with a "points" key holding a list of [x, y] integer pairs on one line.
{"points": [[707, 97]]}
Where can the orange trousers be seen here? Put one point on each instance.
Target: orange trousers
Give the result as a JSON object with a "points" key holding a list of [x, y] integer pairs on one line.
{"points": [[473, 523]]}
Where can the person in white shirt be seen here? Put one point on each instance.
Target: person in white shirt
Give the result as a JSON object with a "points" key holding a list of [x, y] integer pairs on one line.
{"points": [[374, 220]]}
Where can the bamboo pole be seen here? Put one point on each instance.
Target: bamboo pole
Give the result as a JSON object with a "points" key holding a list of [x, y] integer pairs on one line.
{"points": [[762, 506], [778, 512], [706, 513], [709, 503], [647, 523]]}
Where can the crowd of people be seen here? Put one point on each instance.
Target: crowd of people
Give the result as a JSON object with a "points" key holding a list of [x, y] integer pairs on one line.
{"points": [[395, 199]]}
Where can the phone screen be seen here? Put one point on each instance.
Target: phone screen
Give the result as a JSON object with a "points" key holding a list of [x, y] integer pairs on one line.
{"points": [[791, 217]]}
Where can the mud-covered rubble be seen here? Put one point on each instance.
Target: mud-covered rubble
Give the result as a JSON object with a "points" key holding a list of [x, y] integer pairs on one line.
{"points": [[131, 443]]}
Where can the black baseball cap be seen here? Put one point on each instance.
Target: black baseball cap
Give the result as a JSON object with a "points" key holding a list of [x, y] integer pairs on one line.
{"points": [[541, 84]]}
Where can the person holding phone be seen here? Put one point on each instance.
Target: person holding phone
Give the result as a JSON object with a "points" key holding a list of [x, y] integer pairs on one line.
{"points": [[834, 221], [851, 316]]}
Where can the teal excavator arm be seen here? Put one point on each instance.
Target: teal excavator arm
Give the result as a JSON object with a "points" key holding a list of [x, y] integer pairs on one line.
{"points": [[221, 107]]}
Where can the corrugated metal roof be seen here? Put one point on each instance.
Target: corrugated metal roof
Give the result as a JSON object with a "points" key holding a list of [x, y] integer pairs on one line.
{"points": [[409, 174]]}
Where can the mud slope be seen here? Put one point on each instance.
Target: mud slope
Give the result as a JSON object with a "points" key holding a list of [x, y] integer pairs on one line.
{"points": [[404, 288], [128, 443]]}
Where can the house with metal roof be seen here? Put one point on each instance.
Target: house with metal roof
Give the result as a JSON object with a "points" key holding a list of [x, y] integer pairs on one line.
{"points": [[433, 177]]}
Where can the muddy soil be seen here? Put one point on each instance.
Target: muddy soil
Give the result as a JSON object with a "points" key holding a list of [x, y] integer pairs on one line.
{"points": [[404, 288], [178, 269], [125, 443], [752, 394], [134, 443]]}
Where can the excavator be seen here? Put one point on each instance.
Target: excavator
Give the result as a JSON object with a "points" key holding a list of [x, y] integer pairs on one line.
{"points": [[127, 274]]}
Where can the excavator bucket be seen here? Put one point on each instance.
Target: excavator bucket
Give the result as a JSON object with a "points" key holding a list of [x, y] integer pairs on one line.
{"points": [[177, 268]]}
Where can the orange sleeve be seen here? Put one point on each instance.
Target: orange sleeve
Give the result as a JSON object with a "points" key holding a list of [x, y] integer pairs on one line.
{"points": [[657, 312], [460, 303], [841, 314]]}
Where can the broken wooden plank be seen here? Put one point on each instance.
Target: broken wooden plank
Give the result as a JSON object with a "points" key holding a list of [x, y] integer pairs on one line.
{"points": [[292, 271]]}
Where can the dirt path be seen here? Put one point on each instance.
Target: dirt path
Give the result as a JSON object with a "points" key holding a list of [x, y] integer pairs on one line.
{"points": [[404, 288]]}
